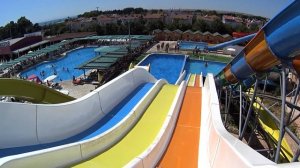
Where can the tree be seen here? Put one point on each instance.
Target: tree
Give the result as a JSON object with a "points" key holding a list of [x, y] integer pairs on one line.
{"points": [[201, 25], [128, 11], [217, 26], [36, 27], [242, 28], [100, 30], [12, 30], [253, 28], [24, 25], [111, 28]]}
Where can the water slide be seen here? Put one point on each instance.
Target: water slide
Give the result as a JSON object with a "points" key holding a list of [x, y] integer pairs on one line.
{"points": [[182, 150], [142, 134], [272, 129], [32, 92], [276, 43], [232, 42], [116, 118], [111, 119], [270, 47]]}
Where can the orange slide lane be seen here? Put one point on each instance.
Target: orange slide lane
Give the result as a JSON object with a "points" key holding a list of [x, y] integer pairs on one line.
{"points": [[197, 81], [183, 147]]}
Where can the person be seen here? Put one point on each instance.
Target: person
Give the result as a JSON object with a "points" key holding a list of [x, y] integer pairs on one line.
{"points": [[48, 83], [43, 73], [206, 64]]}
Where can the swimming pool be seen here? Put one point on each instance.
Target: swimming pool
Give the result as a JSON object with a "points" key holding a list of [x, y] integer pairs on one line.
{"points": [[197, 66], [63, 67], [165, 66], [190, 45]]}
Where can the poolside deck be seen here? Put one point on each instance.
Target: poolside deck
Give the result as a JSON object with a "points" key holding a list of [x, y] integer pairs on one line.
{"points": [[77, 91]]}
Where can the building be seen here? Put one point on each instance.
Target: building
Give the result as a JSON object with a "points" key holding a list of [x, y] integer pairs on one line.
{"points": [[177, 34], [168, 35], [81, 23], [182, 18], [10, 49], [187, 35], [208, 18], [159, 35], [190, 36], [198, 36], [154, 17], [239, 34], [232, 21], [208, 37], [107, 19]]}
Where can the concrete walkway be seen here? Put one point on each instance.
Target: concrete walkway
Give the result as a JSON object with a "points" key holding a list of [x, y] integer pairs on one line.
{"points": [[77, 91]]}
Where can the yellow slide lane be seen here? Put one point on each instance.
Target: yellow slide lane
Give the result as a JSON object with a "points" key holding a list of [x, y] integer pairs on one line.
{"points": [[192, 80], [141, 136], [32, 92], [272, 129]]}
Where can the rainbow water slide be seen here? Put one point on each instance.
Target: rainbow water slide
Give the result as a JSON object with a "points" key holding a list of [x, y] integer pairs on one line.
{"points": [[276, 43], [141, 146], [62, 134]]}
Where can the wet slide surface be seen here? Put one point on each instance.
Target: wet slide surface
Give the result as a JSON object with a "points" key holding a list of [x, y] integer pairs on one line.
{"points": [[141, 135], [184, 144], [107, 122], [197, 81], [32, 92], [192, 80]]}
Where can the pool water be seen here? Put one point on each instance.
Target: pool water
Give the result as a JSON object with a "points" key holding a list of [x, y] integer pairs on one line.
{"points": [[165, 66], [198, 66], [63, 67], [190, 45]]}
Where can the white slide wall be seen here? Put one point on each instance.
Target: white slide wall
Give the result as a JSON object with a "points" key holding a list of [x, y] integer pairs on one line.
{"points": [[218, 148], [30, 124]]}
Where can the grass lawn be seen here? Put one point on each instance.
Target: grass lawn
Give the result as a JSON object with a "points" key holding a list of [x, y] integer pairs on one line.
{"points": [[217, 58], [138, 59]]}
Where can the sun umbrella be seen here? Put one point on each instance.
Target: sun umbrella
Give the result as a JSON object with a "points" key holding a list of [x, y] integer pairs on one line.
{"points": [[50, 78]]}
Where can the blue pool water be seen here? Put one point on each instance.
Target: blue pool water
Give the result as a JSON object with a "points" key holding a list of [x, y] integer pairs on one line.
{"points": [[63, 67], [190, 45], [164, 66], [198, 66]]}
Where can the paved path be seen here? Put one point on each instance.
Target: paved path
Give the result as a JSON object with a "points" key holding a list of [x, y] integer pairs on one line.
{"points": [[77, 91]]}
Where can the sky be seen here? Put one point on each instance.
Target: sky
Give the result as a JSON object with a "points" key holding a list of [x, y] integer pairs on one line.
{"points": [[45, 10]]}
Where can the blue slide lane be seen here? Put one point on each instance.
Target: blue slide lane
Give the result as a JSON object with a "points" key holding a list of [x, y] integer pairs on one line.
{"points": [[107, 122]]}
